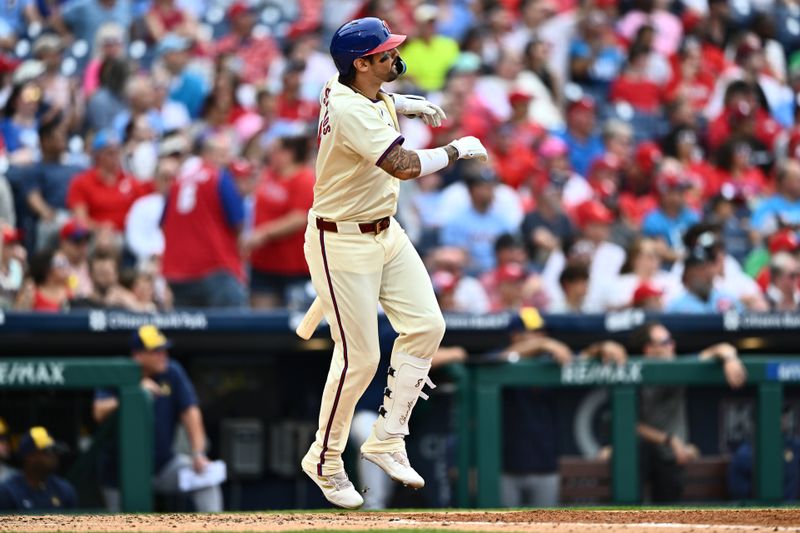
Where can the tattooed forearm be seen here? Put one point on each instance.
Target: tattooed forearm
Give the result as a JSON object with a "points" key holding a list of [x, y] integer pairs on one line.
{"points": [[402, 164], [452, 153]]}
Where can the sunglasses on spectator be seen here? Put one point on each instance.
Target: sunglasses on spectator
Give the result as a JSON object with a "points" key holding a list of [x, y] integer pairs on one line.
{"points": [[60, 262], [666, 341]]}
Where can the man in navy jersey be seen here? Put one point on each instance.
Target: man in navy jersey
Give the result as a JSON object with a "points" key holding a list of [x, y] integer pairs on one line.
{"points": [[174, 402], [36, 487]]}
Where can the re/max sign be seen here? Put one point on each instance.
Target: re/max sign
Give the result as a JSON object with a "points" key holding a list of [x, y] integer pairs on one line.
{"points": [[31, 373]]}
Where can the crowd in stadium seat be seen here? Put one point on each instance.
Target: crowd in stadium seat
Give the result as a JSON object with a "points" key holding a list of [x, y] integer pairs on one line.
{"points": [[643, 153]]}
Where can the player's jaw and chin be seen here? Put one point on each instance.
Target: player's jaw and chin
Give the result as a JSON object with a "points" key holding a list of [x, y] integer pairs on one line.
{"points": [[394, 70]]}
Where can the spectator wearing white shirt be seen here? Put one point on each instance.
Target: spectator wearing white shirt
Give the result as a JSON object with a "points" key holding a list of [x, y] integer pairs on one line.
{"points": [[729, 278], [464, 293], [783, 293], [12, 272], [593, 248], [455, 200], [143, 234], [641, 266], [477, 227], [511, 285], [573, 187], [574, 284]]}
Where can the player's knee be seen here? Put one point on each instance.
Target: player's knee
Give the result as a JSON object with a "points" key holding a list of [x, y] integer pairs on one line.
{"points": [[432, 328], [366, 361]]}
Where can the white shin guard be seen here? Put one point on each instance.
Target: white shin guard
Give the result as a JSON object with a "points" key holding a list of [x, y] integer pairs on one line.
{"points": [[405, 382]]}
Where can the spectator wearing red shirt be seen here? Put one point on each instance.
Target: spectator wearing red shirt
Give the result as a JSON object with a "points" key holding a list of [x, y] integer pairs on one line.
{"points": [[101, 196], [689, 79], [202, 221], [526, 132], [636, 197], [682, 145], [711, 30], [165, 17], [782, 241], [290, 105], [634, 87], [742, 102], [256, 53], [734, 166], [467, 113], [515, 158], [604, 177], [282, 200], [49, 291]]}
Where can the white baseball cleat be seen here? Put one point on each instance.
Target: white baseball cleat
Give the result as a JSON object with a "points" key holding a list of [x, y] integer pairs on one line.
{"points": [[397, 466], [337, 489]]}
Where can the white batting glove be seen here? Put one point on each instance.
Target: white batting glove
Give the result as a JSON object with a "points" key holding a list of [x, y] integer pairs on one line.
{"points": [[470, 148], [413, 106]]}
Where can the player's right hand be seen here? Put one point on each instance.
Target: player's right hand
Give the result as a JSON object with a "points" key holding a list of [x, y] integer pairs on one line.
{"points": [[470, 148]]}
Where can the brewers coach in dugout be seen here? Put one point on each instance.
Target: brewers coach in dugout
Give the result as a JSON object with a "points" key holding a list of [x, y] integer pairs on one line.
{"points": [[359, 255]]}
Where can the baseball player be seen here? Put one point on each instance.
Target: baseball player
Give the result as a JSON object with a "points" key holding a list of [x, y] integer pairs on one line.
{"points": [[358, 255]]}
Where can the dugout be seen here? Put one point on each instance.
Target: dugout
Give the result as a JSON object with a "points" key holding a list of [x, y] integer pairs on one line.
{"points": [[259, 387]]}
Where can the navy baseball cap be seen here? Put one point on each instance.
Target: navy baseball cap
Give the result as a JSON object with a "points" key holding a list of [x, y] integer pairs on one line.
{"points": [[704, 250], [528, 319], [149, 338], [36, 439]]}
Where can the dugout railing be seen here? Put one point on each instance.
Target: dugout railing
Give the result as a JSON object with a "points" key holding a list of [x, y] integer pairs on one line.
{"points": [[135, 419], [767, 374]]}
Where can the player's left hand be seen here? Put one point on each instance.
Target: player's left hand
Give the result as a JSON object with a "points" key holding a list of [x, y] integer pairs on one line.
{"points": [[470, 148], [199, 462], [560, 352], [612, 352], [413, 106], [735, 372]]}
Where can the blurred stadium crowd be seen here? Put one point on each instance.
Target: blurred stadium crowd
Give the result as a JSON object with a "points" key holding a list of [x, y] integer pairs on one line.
{"points": [[644, 153]]}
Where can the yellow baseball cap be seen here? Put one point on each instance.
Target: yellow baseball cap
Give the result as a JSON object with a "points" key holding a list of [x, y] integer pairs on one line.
{"points": [[149, 338], [36, 439], [528, 319]]}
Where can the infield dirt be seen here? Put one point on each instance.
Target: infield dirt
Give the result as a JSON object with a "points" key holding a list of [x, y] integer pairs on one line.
{"points": [[545, 521]]}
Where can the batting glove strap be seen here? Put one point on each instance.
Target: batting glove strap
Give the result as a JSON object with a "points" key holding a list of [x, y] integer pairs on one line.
{"points": [[470, 148], [417, 106]]}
